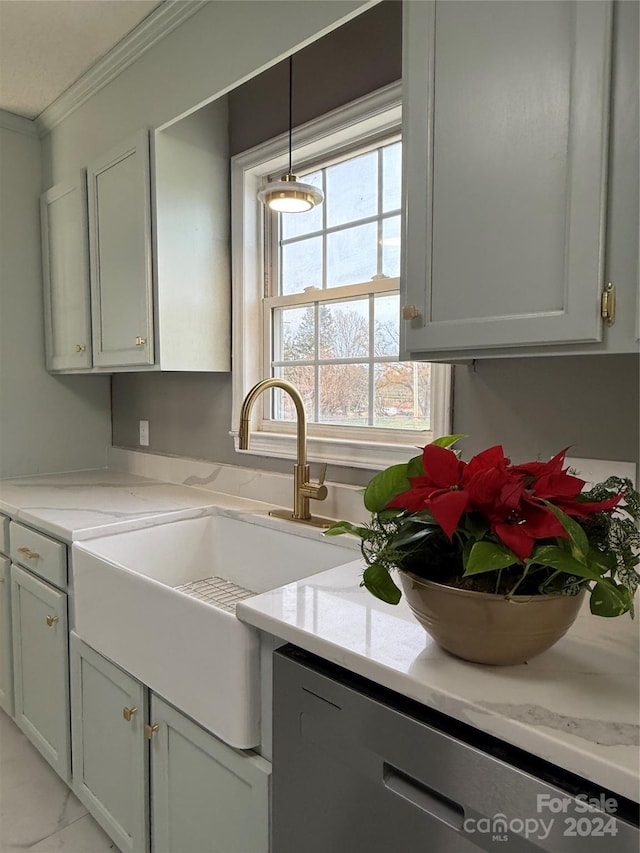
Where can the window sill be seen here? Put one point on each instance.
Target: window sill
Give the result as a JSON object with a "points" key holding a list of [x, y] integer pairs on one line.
{"points": [[350, 453]]}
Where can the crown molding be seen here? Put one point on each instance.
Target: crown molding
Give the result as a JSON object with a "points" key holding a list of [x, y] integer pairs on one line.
{"points": [[19, 124], [152, 29]]}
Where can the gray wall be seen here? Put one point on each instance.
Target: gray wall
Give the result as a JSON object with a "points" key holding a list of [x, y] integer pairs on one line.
{"points": [[47, 423], [534, 406]]}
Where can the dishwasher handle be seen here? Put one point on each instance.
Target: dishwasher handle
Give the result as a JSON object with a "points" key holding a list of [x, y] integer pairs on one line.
{"points": [[434, 803]]}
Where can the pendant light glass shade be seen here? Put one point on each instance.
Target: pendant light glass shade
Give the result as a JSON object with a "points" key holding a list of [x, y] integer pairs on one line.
{"points": [[289, 195]]}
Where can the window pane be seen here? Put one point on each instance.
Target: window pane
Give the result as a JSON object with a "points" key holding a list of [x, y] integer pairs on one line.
{"points": [[352, 189], [344, 329], [391, 177], [402, 395], [294, 332], [352, 255], [295, 224], [387, 325], [391, 247], [344, 394], [304, 380], [301, 265]]}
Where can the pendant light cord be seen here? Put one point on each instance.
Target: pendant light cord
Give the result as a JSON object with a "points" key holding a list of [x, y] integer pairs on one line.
{"points": [[290, 109]]}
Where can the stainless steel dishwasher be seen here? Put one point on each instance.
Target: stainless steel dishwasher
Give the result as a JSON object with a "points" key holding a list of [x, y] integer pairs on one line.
{"points": [[359, 769]]}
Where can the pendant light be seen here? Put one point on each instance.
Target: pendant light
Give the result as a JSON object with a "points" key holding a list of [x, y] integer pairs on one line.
{"points": [[289, 195]]}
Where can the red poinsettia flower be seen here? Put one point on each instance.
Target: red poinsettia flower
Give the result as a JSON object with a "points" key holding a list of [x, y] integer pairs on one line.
{"points": [[440, 490], [529, 523]]}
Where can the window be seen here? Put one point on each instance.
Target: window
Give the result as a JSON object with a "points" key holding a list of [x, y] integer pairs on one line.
{"points": [[316, 295]]}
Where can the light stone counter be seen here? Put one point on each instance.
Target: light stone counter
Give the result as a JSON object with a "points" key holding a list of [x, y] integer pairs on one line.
{"points": [[576, 705], [85, 504]]}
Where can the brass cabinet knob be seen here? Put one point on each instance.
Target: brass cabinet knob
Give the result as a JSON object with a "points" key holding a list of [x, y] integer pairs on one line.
{"points": [[128, 713], [80, 347], [150, 730], [28, 553], [140, 342], [51, 620], [410, 312]]}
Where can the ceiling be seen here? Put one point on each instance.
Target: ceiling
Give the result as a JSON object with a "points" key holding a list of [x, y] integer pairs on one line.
{"points": [[46, 45]]}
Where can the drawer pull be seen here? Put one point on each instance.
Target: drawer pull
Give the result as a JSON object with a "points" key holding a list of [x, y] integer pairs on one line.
{"points": [[128, 713], [28, 553], [150, 730], [51, 620], [433, 802]]}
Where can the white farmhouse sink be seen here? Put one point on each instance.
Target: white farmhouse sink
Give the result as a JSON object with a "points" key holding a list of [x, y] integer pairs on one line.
{"points": [[201, 658]]}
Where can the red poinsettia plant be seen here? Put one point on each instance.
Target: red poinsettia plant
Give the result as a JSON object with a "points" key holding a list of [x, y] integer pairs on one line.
{"points": [[495, 527]]}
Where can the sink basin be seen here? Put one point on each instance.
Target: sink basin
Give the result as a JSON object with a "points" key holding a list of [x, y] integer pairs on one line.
{"points": [[189, 651]]}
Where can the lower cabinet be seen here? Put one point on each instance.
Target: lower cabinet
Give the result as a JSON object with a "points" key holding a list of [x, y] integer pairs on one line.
{"points": [[108, 746], [152, 777], [6, 653], [41, 666], [206, 796]]}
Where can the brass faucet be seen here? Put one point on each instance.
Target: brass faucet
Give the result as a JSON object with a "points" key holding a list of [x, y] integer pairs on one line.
{"points": [[303, 489]]}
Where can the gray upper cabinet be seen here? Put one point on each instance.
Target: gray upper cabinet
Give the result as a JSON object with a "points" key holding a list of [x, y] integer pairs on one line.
{"points": [[65, 269], [506, 130], [119, 188]]}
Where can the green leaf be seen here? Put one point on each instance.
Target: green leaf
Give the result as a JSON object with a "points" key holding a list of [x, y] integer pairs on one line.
{"points": [[609, 599], [557, 558], [414, 467], [341, 527], [385, 486], [379, 583], [448, 440], [413, 533], [476, 525], [606, 562], [488, 557], [576, 534]]}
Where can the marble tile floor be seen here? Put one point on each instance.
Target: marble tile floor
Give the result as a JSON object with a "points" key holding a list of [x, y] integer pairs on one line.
{"points": [[38, 812]]}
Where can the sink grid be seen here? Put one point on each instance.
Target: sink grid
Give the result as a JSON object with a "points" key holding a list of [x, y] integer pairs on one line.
{"points": [[217, 591]]}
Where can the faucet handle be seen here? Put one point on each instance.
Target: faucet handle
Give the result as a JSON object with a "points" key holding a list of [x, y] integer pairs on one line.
{"points": [[323, 473]]}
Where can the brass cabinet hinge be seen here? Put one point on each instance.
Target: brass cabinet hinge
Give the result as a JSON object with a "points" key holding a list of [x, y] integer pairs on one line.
{"points": [[608, 304]]}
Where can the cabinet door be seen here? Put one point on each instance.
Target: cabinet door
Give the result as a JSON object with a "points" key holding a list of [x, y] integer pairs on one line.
{"points": [[41, 667], [6, 653], [109, 748], [65, 268], [120, 253], [205, 795], [505, 160]]}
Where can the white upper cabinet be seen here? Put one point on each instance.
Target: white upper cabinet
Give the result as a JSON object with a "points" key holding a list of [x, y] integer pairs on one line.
{"points": [[506, 130], [158, 258], [120, 249], [65, 266]]}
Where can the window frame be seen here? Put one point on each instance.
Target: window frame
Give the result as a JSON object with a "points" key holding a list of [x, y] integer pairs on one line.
{"points": [[365, 122]]}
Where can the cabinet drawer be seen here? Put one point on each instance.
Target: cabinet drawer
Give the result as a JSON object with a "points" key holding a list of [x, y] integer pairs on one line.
{"points": [[4, 535], [41, 555]]}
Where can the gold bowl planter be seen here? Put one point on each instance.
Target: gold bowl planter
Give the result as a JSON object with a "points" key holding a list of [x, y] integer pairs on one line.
{"points": [[485, 628]]}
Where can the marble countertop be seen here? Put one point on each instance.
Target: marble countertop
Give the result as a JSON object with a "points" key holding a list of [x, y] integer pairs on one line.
{"points": [[85, 504], [576, 705]]}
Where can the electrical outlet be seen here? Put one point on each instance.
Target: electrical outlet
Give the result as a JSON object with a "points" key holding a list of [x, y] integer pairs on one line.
{"points": [[144, 433]]}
